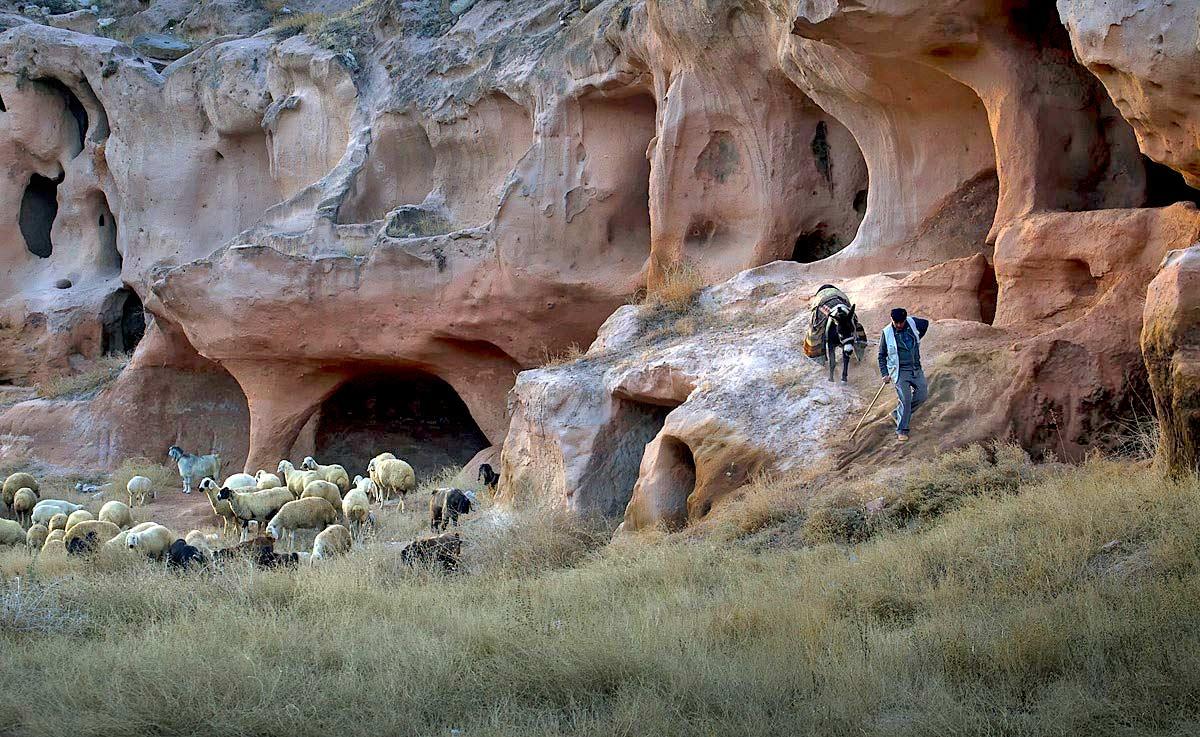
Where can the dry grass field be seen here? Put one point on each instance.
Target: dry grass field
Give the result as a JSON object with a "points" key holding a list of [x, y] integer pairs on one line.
{"points": [[999, 598]]}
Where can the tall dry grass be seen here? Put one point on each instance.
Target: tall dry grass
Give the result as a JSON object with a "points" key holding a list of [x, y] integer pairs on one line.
{"points": [[84, 384], [1064, 607]]}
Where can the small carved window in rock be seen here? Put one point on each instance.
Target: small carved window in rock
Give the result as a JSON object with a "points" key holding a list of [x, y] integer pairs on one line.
{"points": [[2, 108], [860, 202], [820, 151]]}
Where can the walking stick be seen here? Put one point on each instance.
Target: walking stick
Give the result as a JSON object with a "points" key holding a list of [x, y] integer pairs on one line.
{"points": [[869, 408]]}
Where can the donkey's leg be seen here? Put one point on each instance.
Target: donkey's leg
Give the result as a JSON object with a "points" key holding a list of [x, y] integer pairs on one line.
{"points": [[845, 365]]}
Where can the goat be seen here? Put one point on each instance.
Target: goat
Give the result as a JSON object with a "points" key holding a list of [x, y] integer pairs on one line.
{"points": [[192, 468]]}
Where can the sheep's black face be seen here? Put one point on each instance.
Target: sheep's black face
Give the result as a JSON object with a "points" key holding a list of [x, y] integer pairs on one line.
{"points": [[223, 493]]}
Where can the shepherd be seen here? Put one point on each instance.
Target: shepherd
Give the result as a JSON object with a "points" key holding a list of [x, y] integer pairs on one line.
{"points": [[900, 365]]}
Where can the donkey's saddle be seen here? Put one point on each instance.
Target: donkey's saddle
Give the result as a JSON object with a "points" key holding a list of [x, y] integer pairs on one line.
{"points": [[823, 302]]}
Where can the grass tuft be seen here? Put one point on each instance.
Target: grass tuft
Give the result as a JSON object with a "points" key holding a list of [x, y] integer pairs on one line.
{"points": [[85, 384]]}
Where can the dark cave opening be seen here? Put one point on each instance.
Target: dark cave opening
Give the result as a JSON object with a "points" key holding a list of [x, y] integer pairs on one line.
{"points": [[39, 207], [415, 415], [815, 245], [124, 322], [1165, 186]]}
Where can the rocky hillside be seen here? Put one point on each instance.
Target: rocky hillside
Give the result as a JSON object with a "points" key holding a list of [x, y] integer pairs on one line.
{"points": [[322, 226]]}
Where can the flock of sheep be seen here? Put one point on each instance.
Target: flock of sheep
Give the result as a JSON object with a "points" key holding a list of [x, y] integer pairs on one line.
{"points": [[277, 506]]}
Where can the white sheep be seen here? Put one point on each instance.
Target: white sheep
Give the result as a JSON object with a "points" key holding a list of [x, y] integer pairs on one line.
{"points": [[296, 479], [118, 513], [256, 506], [54, 544], [266, 480], [326, 490], [153, 542], [312, 513], [47, 508], [220, 507], [138, 487], [79, 515], [192, 468], [392, 475], [356, 508], [36, 537], [241, 481], [58, 522], [120, 541], [86, 537], [331, 542], [202, 541], [11, 532], [23, 503], [332, 473], [14, 483]]}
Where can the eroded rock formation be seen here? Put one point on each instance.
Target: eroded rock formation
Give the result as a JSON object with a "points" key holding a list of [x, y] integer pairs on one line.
{"points": [[399, 207]]}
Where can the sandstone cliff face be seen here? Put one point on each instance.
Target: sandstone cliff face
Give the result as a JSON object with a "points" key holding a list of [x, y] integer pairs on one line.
{"points": [[361, 234]]}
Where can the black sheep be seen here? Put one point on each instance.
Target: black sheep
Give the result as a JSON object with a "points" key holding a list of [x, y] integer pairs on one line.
{"points": [[444, 507], [443, 550], [181, 555]]}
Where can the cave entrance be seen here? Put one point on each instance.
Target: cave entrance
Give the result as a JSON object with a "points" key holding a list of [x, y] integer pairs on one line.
{"points": [[415, 415], [1165, 186], [124, 322], [39, 208], [815, 245], [675, 480]]}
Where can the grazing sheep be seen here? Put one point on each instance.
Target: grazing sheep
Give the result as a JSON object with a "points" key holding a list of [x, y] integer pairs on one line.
{"points": [[11, 532], [47, 508], [257, 506], [392, 475], [332, 473], [266, 480], [356, 508], [23, 503], [79, 515], [118, 513], [331, 542], [443, 550], [220, 507], [36, 537], [326, 490], [181, 555], [120, 541], [86, 537], [312, 513], [445, 505], [296, 480], [152, 542], [138, 487], [192, 468], [260, 550], [489, 478], [58, 522], [382, 457], [14, 483], [203, 541], [241, 481], [54, 544]]}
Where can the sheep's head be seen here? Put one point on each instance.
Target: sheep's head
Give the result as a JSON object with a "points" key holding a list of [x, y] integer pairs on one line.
{"points": [[224, 493], [132, 539], [207, 484], [258, 476], [371, 466], [309, 464], [285, 467]]}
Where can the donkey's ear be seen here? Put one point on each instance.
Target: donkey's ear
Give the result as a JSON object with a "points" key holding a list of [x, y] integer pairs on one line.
{"points": [[852, 309]]}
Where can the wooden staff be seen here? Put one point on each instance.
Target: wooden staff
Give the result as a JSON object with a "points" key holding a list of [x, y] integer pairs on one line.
{"points": [[869, 408]]}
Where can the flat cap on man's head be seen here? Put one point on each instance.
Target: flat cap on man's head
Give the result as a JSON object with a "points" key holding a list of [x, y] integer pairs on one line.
{"points": [[899, 314]]}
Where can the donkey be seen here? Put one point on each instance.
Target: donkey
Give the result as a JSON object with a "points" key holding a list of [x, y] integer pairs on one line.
{"points": [[840, 331]]}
